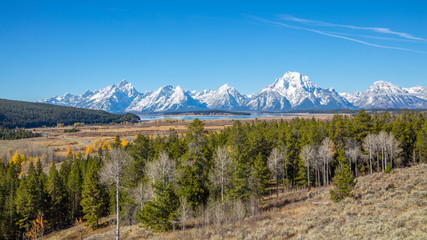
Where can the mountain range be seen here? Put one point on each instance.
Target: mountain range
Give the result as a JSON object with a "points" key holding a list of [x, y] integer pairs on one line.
{"points": [[293, 91]]}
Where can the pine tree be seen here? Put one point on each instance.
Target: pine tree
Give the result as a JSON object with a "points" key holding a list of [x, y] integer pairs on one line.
{"points": [[161, 210], [261, 175], [56, 190], [9, 215], [343, 181], [74, 189], [421, 144], [93, 197], [26, 199], [159, 213], [193, 179]]}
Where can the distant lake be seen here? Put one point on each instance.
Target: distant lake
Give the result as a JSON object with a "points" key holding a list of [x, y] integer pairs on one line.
{"points": [[153, 117]]}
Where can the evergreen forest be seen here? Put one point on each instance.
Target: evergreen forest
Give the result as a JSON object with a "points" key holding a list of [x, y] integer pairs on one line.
{"points": [[19, 114]]}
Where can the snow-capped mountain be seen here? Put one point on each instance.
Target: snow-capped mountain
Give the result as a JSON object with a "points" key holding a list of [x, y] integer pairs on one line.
{"points": [[294, 91], [351, 97], [418, 91], [225, 98], [114, 98], [167, 98], [388, 95]]}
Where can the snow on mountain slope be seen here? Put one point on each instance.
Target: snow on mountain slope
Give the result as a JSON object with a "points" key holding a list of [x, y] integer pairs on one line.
{"points": [[388, 95], [290, 92], [167, 98], [268, 101], [114, 98], [225, 98], [351, 97], [418, 91], [294, 91]]}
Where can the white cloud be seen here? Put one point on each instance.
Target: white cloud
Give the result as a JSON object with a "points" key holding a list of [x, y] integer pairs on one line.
{"points": [[372, 29], [340, 35]]}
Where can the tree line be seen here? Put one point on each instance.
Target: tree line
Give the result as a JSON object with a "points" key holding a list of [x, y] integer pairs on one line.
{"points": [[17, 133], [161, 182]]}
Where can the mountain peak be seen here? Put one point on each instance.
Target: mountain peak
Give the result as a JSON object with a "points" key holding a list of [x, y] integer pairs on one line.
{"points": [[383, 87], [290, 83], [225, 86], [290, 75], [291, 91]]}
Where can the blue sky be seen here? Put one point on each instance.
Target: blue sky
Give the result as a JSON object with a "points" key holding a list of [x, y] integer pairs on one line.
{"points": [[49, 48]]}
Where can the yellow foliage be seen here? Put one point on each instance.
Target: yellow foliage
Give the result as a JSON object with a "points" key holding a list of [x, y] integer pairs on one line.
{"points": [[37, 229], [124, 143], [16, 159], [79, 221], [68, 151], [88, 150], [96, 144], [106, 145]]}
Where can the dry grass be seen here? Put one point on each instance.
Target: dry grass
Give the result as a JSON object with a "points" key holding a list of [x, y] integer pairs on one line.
{"points": [[386, 206]]}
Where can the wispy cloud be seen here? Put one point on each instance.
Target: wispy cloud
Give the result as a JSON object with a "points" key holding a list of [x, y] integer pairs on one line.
{"points": [[372, 29], [341, 35]]}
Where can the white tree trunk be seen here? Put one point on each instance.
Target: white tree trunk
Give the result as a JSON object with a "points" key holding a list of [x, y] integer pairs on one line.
{"points": [[118, 208]]}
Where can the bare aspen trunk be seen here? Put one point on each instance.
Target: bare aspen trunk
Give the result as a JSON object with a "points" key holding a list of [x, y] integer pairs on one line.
{"points": [[118, 209], [355, 167], [370, 159], [327, 173], [378, 164], [324, 173], [308, 177], [283, 184], [222, 187], [382, 160], [391, 151]]}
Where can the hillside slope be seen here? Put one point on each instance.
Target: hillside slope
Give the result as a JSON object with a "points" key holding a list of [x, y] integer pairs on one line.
{"points": [[386, 206], [29, 115]]}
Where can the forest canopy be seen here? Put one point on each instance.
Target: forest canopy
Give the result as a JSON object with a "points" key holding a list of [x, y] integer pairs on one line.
{"points": [[19, 114]]}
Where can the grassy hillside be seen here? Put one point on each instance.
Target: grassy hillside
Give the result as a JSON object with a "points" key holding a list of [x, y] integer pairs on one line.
{"points": [[386, 206], [29, 115]]}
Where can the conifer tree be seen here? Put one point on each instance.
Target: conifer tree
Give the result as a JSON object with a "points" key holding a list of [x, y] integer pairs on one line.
{"points": [[26, 199], [159, 212], [162, 209], [343, 181], [9, 216], [74, 188], [261, 175], [93, 196], [56, 190]]}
